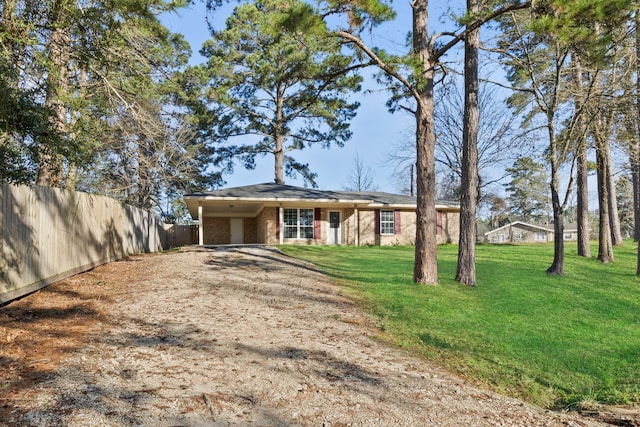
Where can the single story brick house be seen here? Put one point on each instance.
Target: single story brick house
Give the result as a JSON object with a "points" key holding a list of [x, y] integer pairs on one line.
{"points": [[283, 214], [522, 232]]}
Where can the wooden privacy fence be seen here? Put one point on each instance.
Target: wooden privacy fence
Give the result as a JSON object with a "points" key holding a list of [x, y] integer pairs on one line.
{"points": [[180, 235], [49, 234]]}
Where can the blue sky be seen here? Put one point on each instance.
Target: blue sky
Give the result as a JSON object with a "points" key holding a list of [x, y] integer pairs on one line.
{"points": [[375, 130]]}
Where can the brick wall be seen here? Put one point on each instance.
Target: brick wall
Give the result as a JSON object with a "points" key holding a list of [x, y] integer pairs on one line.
{"points": [[217, 231]]}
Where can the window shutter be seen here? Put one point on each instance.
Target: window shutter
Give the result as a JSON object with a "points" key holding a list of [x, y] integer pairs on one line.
{"points": [[396, 222], [278, 223], [317, 217], [376, 220], [438, 222]]}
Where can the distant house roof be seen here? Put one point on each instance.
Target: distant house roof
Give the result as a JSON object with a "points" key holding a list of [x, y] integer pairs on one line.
{"points": [[540, 227], [278, 193]]}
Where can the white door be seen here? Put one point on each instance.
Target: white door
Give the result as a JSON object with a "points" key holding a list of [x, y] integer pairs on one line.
{"points": [[237, 231], [335, 230]]}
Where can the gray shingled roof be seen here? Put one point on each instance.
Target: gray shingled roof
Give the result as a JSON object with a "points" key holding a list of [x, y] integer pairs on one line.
{"points": [[281, 191]]}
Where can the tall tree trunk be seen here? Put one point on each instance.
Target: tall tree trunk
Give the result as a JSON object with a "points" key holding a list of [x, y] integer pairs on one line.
{"points": [[425, 263], [603, 134], [636, 160], [71, 177], [557, 266], [279, 160], [584, 234], [279, 137], [50, 162], [605, 248], [466, 271], [143, 192], [612, 200]]}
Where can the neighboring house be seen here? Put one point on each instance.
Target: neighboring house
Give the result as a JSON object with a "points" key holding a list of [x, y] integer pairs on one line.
{"points": [[522, 232], [283, 214]]}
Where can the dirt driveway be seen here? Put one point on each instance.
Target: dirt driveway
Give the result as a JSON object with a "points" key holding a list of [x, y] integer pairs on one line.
{"points": [[241, 336]]}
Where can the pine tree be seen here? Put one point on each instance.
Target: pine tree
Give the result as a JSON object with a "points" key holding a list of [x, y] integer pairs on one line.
{"points": [[271, 90]]}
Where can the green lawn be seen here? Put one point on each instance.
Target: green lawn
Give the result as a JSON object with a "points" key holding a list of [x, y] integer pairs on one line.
{"points": [[554, 341]]}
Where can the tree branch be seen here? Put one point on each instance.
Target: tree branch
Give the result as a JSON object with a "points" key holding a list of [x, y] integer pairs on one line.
{"points": [[437, 53], [377, 60]]}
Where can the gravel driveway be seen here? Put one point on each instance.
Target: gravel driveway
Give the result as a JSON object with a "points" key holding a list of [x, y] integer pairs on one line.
{"points": [[235, 336]]}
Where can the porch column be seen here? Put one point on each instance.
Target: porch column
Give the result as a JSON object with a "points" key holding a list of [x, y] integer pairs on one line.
{"points": [[356, 226], [200, 225], [281, 221]]}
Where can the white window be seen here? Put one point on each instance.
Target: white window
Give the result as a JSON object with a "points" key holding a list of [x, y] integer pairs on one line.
{"points": [[387, 223], [541, 235], [500, 238], [518, 236], [568, 236], [298, 223]]}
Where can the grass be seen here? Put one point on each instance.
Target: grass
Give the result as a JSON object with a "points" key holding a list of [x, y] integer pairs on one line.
{"points": [[554, 341]]}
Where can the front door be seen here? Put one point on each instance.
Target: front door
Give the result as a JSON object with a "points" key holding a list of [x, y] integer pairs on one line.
{"points": [[237, 231], [334, 230]]}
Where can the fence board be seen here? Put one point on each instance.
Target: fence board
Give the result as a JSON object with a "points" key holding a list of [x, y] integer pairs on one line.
{"points": [[49, 234]]}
